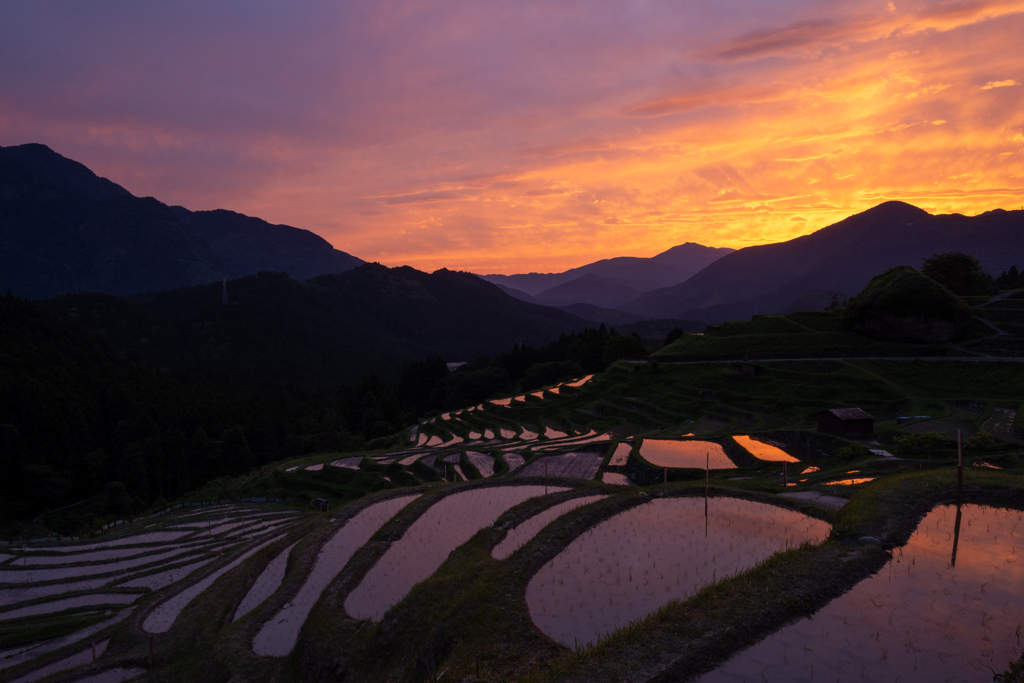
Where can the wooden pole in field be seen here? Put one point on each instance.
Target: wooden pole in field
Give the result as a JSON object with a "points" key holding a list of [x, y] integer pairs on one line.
{"points": [[960, 465], [666, 475], [785, 474]]}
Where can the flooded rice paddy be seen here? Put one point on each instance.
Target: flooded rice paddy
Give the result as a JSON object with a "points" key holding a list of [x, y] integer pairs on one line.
{"points": [[763, 450], [513, 460], [663, 453], [162, 618], [483, 463], [521, 535], [948, 606], [266, 585], [423, 548], [849, 482], [616, 478], [621, 455], [279, 635], [90, 600], [630, 565], [582, 465], [78, 659]]}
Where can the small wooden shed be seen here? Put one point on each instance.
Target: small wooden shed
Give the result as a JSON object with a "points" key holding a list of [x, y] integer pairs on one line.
{"points": [[321, 505], [846, 421]]}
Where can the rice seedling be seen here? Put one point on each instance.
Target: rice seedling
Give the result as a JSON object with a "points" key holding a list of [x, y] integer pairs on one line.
{"points": [[630, 565], [427, 543], [278, 636], [928, 615]]}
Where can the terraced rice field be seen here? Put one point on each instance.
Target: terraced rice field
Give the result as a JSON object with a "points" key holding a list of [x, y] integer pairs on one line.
{"points": [[140, 557], [266, 585], [946, 607], [348, 463], [621, 455], [521, 535], [279, 635], [483, 463], [762, 450], [513, 460], [662, 453], [426, 544], [630, 565], [582, 465], [615, 478]]}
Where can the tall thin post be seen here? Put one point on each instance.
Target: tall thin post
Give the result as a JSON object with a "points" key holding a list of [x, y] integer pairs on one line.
{"points": [[785, 474], [666, 475], [960, 465], [956, 537]]}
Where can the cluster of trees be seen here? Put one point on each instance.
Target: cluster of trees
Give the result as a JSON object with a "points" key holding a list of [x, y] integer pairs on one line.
{"points": [[427, 386], [962, 274], [1010, 279], [81, 422]]}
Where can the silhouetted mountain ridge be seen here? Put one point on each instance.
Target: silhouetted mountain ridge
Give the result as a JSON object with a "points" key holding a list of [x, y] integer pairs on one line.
{"points": [[65, 229], [332, 329], [839, 258], [641, 274]]}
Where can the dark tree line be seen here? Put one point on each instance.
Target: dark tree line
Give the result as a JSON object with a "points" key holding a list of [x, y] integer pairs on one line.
{"points": [[80, 422]]}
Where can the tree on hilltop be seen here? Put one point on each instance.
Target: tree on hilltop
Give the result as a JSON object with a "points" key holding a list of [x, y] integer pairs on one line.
{"points": [[960, 273]]}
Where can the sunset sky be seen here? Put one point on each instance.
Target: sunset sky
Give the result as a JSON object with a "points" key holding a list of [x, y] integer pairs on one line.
{"points": [[505, 137]]}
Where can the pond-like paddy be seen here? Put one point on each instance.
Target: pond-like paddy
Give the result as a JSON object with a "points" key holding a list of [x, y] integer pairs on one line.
{"points": [[923, 617], [696, 454], [630, 565], [423, 548], [621, 455], [521, 535], [279, 635], [763, 450]]}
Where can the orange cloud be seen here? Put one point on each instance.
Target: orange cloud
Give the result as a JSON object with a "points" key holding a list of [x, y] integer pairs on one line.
{"points": [[443, 134]]}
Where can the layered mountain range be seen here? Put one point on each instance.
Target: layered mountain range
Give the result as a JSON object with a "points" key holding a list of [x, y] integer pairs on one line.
{"points": [[65, 229]]}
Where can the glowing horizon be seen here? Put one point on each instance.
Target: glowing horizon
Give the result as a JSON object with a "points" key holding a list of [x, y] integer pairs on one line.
{"points": [[467, 136]]}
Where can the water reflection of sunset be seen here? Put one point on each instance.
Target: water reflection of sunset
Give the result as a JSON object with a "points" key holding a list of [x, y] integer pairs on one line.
{"points": [[466, 135]]}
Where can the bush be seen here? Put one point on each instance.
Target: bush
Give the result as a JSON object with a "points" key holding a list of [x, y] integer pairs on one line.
{"points": [[982, 442], [854, 451], [928, 445]]}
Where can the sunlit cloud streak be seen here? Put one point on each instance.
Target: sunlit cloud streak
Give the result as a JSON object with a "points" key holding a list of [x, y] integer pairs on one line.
{"points": [[538, 136]]}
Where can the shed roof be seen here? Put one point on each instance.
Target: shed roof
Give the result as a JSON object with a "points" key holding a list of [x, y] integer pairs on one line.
{"points": [[851, 414]]}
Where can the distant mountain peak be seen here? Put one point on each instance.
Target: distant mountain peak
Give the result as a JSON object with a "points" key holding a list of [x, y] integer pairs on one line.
{"points": [[65, 173]]}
